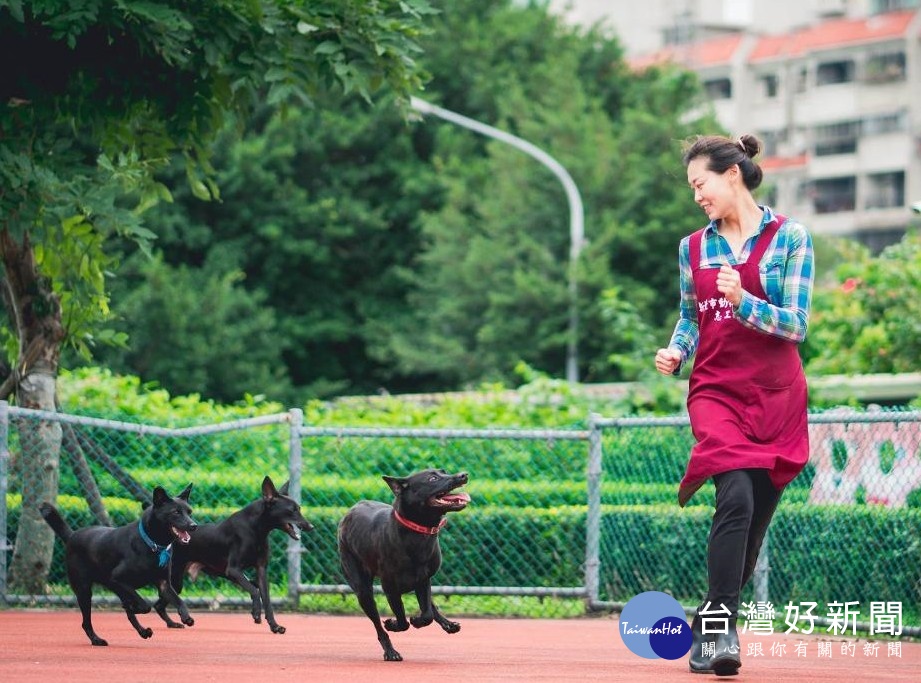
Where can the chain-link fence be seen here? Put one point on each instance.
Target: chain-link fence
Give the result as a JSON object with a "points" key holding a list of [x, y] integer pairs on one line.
{"points": [[561, 520]]}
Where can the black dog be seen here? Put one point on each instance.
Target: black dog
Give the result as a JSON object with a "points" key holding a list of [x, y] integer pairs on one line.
{"points": [[125, 558], [239, 542], [399, 544]]}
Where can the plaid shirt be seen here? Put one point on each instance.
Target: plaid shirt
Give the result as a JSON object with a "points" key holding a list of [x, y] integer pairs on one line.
{"points": [[786, 276]]}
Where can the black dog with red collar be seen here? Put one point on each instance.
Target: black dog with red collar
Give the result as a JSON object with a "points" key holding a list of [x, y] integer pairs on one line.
{"points": [[398, 543]]}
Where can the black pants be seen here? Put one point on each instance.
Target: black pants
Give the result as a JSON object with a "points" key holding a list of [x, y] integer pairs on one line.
{"points": [[745, 504]]}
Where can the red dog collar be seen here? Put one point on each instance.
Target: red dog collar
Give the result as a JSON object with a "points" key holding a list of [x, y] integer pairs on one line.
{"points": [[418, 528]]}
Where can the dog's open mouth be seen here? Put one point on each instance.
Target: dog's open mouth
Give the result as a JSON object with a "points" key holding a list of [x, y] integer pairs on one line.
{"points": [[183, 536], [451, 501], [292, 531]]}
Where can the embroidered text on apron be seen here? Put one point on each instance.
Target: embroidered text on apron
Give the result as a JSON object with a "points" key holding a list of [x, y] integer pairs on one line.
{"points": [[747, 393]]}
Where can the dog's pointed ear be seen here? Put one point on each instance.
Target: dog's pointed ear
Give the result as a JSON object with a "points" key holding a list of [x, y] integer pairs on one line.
{"points": [[268, 489], [159, 495], [185, 493], [396, 484], [284, 488]]}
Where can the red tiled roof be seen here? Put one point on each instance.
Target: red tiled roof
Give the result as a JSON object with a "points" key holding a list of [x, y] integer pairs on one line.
{"points": [[823, 36], [713, 52], [781, 163], [831, 34]]}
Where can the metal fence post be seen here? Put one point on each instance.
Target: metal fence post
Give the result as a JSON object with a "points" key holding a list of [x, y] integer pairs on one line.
{"points": [[593, 515], [4, 487], [295, 467]]}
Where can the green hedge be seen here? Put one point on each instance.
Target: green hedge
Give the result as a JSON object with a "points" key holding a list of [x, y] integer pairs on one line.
{"points": [[818, 553]]}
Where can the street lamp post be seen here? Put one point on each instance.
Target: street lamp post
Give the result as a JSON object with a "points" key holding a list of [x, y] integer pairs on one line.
{"points": [[576, 213]]}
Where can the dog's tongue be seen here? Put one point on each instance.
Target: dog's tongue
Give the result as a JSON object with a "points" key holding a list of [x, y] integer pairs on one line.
{"points": [[455, 498], [183, 536]]}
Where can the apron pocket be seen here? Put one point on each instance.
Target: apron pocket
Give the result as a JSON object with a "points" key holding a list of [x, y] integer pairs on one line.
{"points": [[768, 411]]}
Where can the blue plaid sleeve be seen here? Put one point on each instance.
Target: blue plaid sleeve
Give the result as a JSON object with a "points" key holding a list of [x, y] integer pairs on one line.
{"points": [[686, 334], [787, 272]]}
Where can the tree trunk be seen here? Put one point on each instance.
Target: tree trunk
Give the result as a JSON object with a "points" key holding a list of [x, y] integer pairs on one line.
{"points": [[35, 317]]}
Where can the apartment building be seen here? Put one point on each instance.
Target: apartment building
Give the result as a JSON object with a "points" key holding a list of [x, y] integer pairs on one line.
{"points": [[833, 90]]}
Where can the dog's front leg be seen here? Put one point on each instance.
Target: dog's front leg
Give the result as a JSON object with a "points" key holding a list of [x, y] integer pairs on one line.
{"points": [[236, 575], [395, 600], [263, 579], [133, 603], [160, 608], [169, 594], [448, 626], [424, 596]]}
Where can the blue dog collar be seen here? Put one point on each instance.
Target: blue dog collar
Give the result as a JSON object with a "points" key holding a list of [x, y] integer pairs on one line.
{"points": [[165, 551]]}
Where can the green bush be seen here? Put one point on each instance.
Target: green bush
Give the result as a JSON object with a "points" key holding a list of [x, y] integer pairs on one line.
{"points": [[818, 553]]}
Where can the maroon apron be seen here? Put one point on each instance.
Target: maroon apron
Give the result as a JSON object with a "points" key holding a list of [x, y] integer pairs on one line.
{"points": [[747, 390]]}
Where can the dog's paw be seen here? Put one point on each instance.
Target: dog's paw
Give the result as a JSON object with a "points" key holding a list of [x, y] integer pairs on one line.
{"points": [[392, 655], [188, 621], [451, 627], [257, 618], [98, 642], [174, 624], [420, 622], [146, 633], [396, 626], [276, 628]]}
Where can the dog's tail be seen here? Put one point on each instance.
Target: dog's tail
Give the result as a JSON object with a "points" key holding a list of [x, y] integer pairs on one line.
{"points": [[55, 521]]}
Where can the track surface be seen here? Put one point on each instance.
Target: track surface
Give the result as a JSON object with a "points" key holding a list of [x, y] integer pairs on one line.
{"points": [[49, 645]]}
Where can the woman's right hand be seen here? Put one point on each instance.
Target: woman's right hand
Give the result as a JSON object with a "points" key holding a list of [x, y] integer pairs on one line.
{"points": [[667, 360]]}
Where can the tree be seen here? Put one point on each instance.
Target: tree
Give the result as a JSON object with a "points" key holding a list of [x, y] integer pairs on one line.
{"points": [[95, 96], [426, 257], [868, 318], [490, 288]]}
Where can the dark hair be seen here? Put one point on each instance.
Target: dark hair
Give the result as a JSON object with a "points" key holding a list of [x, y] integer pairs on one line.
{"points": [[726, 152]]}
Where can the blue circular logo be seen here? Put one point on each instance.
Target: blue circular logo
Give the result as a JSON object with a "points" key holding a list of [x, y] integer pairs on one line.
{"points": [[653, 625]]}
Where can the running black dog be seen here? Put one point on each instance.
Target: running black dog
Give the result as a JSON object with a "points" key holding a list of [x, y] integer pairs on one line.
{"points": [[240, 542], [125, 558], [399, 544]]}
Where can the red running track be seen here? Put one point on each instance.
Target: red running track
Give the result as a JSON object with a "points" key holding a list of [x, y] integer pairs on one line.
{"points": [[49, 645]]}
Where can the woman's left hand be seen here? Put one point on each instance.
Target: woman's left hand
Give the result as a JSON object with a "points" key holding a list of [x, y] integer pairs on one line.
{"points": [[729, 283]]}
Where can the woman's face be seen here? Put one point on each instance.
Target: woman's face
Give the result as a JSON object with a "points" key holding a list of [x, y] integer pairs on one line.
{"points": [[713, 192]]}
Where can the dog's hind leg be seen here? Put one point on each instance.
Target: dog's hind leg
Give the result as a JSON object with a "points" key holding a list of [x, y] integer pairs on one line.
{"points": [[363, 585], [84, 595]]}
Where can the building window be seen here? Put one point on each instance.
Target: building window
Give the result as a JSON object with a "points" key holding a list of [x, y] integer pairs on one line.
{"points": [[769, 86], [836, 138], [718, 88], [771, 141], [882, 6], [877, 240], [885, 123], [885, 190], [830, 73], [885, 68], [802, 80], [831, 195]]}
